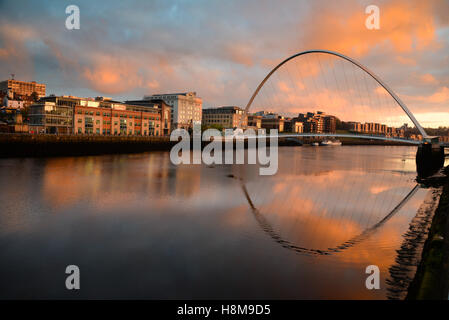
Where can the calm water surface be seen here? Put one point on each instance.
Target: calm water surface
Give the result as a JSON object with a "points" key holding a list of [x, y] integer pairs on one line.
{"points": [[139, 227]]}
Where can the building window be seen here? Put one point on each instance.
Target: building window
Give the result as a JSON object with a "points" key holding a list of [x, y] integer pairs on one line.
{"points": [[123, 126], [88, 125]]}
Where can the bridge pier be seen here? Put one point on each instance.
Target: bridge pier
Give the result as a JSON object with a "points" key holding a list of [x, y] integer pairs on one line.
{"points": [[429, 159]]}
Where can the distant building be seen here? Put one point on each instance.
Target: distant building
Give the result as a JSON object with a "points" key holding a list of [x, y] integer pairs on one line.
{"points": [[262, 113], [310, 125], [355, 126], [227, 117], [13, 104], [376, 129], [187, 108], [318, 122], [23, 88], [254, 122], [21, 93], [12, 122], [293, 125], [273, 121], [330, 124]]}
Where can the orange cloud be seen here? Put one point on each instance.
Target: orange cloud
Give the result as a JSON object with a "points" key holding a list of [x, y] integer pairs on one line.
{"points": [[405, 61], [112, 75], [240, 53], [14, 54], [442, 95], [428, 78], [439, 96], [405, 26]]}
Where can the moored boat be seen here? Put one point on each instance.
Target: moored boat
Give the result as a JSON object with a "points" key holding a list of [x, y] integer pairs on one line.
{"points": [[330, 143]]}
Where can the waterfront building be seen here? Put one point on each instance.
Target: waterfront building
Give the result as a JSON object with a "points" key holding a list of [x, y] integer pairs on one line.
{"points": [[228, 117], [107, 117], [376, 128], [100, 116], [273, 121], [293, 125], [49, 117], [164, 110], [187, 108], [318, 122], [54, 114], [310, 125], [330, 124], [124, 120], [355, 126], [254, 121]]}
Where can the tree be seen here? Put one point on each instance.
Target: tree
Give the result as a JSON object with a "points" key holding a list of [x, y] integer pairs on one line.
{"points": [[212, 126]]}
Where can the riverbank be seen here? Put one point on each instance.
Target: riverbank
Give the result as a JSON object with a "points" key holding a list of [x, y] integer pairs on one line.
{"points": [[50, 145], [29, 145], [431, 281]]}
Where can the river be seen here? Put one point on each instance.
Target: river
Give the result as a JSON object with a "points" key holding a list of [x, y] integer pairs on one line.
{"points": [[140, 227]]}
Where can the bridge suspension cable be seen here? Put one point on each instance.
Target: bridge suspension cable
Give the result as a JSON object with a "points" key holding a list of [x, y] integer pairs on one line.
{"points": [[275, 98]]}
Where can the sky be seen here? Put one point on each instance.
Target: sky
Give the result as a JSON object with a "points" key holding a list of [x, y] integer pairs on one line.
{"points": [[223, 49]]}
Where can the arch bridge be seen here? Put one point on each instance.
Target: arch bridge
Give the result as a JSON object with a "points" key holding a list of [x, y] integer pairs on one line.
{"points": [[429, 150]]}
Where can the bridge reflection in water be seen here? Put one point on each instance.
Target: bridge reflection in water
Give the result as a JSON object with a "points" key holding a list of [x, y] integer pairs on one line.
{"points": [[329, 214]]}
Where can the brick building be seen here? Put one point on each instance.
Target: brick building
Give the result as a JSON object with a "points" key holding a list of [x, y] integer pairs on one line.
{"points": [[101, 116]]}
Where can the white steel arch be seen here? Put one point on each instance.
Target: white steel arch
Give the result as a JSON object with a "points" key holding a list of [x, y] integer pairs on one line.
{"points": [[378, 80]]}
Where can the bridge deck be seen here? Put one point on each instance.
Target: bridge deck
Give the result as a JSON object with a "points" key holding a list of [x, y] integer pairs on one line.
{"points": [[341, 135]]}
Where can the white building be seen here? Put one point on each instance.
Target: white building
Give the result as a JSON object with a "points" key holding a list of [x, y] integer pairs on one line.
{"points": [[12, 104], [187, 108]]}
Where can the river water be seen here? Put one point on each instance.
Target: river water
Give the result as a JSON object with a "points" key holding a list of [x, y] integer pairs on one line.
{"points": [[138, 226]]}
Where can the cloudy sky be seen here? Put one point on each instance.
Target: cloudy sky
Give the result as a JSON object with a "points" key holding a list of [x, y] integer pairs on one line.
{"points": [[223, 49]]}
